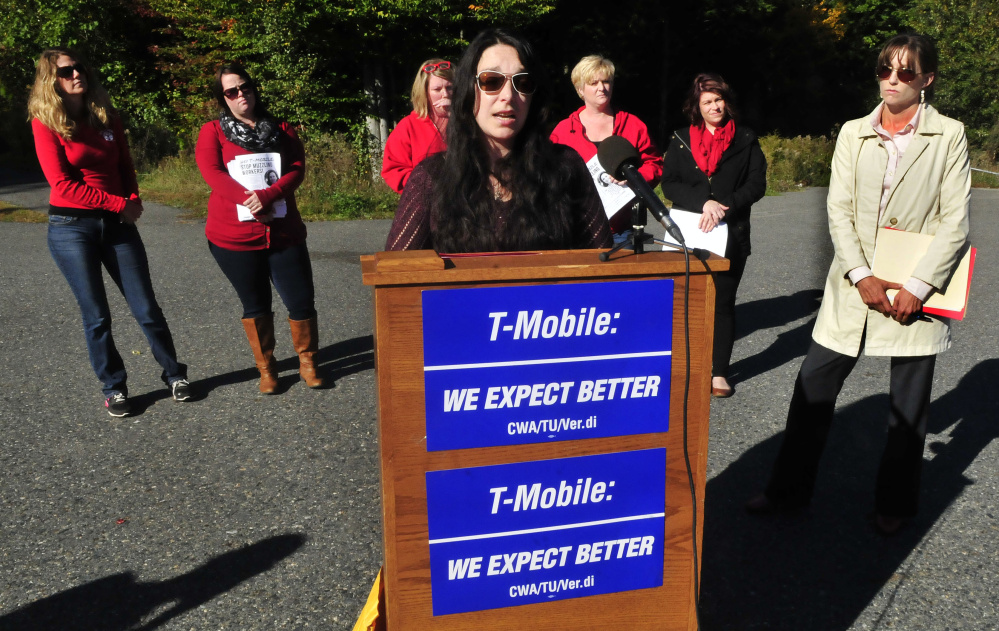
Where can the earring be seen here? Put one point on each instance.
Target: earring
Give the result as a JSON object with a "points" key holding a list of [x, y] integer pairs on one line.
{"points": [[922, 96]]}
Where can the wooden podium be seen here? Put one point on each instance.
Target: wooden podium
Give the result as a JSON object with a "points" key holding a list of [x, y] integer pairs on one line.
{"points": [[399, 280]]}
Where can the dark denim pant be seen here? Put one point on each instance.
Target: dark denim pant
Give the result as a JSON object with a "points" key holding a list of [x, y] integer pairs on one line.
{"points": [[80, 246], [251, 273]]}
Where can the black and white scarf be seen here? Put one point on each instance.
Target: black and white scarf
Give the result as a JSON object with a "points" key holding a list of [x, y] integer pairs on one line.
{"points": [[259, 139]]}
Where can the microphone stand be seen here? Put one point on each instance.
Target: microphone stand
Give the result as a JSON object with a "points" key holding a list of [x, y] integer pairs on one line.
{"points": [[636, 242], [639, 238]]}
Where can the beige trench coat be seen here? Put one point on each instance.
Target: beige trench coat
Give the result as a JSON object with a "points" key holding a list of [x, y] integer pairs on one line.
{"points": [[931, 194]]}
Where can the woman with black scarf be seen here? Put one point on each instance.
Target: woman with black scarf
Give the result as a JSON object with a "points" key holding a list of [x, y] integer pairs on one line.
{"points": [[255, 233]]}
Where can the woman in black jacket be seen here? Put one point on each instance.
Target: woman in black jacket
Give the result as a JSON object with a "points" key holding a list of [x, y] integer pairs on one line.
{"points": [[717, 168]]}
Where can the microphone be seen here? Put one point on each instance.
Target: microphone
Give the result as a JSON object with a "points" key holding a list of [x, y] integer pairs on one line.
{"points": [[620, 158]]}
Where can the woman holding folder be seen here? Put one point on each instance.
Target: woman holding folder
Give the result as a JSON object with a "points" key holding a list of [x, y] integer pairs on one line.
{"points": [[255, 232], [903, 166]]}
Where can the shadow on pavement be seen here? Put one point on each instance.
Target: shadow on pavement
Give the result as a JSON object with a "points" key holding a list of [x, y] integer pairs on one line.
{"points": [[336, 361], [788, 346], [120, 602], [767, 314], [820, 570], [773, 312]]}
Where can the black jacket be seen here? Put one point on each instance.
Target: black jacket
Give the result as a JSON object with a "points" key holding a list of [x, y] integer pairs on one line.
{"points": [[739, 181]]}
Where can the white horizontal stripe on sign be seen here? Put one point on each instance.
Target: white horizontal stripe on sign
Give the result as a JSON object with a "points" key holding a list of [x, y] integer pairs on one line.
{"points": [[510, 533], [554, 360]]}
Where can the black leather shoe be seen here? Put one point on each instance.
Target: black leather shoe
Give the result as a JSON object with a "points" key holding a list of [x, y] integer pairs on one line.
{"points": [[888, 526], [763, 505]]}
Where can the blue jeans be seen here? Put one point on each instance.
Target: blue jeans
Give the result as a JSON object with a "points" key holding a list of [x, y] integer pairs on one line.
{"points": [[80, 246]]}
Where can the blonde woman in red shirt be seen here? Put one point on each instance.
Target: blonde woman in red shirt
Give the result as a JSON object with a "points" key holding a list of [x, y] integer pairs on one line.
{"points": [[266, 243], [93, 207], [422, 132]]}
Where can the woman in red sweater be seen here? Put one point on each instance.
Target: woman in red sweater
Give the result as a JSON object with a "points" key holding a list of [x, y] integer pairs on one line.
{"points": [[93, 207], [587, 127], [254, 230], [422, 132]]}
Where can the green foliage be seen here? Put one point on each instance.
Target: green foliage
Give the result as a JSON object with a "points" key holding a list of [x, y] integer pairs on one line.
{"points": [[966, 35], [796, 163]]}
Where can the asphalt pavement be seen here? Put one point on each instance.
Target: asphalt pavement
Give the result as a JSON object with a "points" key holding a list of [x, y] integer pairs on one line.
{"points": [[242, 511]]}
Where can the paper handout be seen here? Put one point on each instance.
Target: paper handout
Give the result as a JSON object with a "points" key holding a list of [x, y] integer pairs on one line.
{"points": [[257, 171]]}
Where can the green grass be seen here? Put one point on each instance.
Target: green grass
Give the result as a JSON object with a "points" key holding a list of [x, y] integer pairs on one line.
{"points": [[336, 186], [15, 214], [796, 163], [980, 160]]}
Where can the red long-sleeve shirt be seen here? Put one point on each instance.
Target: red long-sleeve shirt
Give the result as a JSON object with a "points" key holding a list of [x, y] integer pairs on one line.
{"points": [[93, 171], [223, 227]]}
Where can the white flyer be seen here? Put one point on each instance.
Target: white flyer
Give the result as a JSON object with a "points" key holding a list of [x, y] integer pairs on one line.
{"points": [[256, 171], [714, 241], [613, 196]]}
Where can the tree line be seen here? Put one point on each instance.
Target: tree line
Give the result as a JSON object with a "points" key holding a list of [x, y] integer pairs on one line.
{"points": [[799, 66]]}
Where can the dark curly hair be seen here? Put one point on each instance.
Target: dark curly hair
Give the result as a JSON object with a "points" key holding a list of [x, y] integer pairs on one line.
{"points": [[540, 213], [708, 82]]}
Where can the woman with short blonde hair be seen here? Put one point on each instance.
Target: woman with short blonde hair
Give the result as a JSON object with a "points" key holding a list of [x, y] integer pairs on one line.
{"points": [[595, 121], [422, 132], [589, 67]]}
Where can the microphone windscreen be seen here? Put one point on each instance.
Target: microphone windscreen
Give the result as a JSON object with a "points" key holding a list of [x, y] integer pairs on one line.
{"points": [[613, 153]]}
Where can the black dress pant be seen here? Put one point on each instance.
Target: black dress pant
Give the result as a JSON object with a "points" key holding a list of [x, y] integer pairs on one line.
{"points": [[810, 416], [726, 284]]}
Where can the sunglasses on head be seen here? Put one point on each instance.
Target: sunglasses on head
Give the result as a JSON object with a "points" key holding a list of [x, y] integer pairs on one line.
{"points": [[66, 72], [430, 68], [905, 75], [491, 82], [231, 93]]}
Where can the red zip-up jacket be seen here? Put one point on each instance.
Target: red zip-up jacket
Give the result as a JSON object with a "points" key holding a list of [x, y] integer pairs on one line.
{"points": [[570, 132], [412, 140]]}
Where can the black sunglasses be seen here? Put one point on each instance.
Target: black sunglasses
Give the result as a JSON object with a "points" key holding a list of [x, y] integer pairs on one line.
{"points": [[491, 82], [66, 72], [905, 75], [231, 93]]}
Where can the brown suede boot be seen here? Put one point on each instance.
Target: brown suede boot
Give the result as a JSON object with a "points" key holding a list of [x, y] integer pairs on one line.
{"points": [[305, 338], [260, 334]]}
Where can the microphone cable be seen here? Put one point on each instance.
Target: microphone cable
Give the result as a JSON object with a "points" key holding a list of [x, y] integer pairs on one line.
{"points": [[686, 453]]}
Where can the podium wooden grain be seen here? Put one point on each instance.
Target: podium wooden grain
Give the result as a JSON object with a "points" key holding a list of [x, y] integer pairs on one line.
{"points": [[398, 278]]}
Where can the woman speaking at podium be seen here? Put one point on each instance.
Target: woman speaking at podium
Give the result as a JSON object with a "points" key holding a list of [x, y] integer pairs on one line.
{"points": [[903, 166], [501, 185]]}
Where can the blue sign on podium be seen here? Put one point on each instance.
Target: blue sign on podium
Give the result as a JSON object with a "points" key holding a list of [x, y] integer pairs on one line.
{"points": [[530, 532], [540, 363]]}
